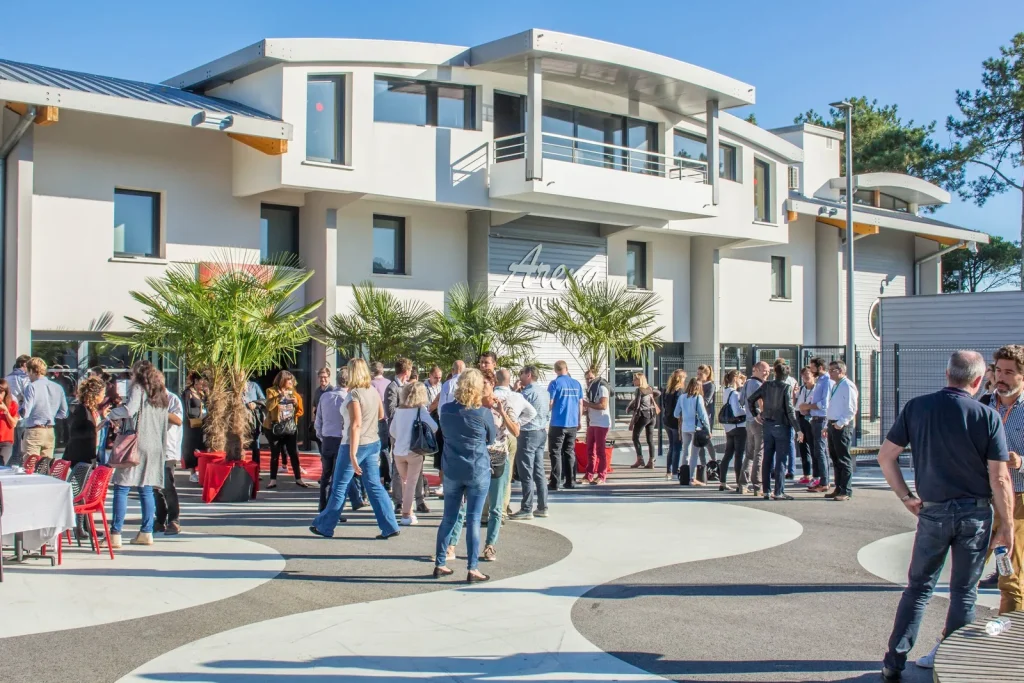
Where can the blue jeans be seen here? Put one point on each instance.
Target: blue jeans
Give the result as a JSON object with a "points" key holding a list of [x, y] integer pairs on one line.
{"points": [[475, 493], [819, 450], [530, 461], [791, 464], [675, 450], [329, 447], [120, 506], [368, 457], [963, 526], [777, 438]]}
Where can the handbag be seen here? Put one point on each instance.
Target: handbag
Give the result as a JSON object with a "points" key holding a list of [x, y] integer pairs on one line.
{"points": [[701, 435], [422, 441], [125, 453], [285, 425], [498, 460]]}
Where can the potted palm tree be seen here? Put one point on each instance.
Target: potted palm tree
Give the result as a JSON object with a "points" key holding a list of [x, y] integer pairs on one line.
{"points": [[378, 324], [229, 319], [598, 320]]}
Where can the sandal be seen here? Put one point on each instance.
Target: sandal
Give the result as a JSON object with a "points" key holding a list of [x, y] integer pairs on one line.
{"points": [[301, 484], [272, 485]]}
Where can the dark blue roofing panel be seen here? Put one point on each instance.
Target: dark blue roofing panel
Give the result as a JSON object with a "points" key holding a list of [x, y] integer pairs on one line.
{"points": [[119, 87]]}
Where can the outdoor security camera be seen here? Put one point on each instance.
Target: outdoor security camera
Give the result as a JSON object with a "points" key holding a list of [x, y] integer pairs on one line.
{"points": [[972, 247]]}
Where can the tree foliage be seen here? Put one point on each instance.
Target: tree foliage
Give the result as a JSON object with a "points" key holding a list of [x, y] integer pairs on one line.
{"points": [[996, 265], [883, 142], [232, 320], [378, 324], [599, 319]]}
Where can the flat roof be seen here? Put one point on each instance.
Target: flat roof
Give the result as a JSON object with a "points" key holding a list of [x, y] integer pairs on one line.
{"points": [[810, 128]]}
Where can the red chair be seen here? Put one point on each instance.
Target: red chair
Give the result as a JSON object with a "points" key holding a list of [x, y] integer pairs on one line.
{"points": [[60, 469], [92, 500], [30, 464]]}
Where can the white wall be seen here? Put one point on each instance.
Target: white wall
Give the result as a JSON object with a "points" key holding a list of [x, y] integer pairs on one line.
{"points": [[747, 312], [884, 265], [821, 162], [79, 162], [668, 268], [436, 255]]}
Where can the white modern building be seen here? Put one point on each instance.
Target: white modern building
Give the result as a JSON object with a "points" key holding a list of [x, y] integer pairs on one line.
{"points": [[417, 166]]}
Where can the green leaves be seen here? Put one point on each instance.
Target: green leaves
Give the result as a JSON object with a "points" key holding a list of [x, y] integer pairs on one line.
{"points": [[600, 319], [996, 265], [380, 324]]}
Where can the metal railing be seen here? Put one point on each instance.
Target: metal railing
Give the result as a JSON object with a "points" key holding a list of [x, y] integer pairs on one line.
{"points": [[603, 155]]}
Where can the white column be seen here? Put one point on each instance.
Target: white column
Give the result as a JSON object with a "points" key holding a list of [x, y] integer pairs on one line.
{"points": [[534, 117], [17, 285], [712, 142]]}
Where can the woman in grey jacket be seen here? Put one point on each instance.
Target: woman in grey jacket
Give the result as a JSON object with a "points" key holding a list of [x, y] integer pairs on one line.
{"points": [[147, 409]]}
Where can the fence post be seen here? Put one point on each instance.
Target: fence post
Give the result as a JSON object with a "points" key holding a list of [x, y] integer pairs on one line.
{"points": [[858, 432], [896, 380]]}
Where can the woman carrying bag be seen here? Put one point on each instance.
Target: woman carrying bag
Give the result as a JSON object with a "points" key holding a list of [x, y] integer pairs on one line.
{"points": [[693, 426], [645, 410], [284, 408], [408, 448]]}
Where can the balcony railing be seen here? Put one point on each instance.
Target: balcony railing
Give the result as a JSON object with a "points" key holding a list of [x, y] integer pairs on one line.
{"points": [[603, 155]]}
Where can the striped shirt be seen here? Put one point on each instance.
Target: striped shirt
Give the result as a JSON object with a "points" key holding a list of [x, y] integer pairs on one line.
{"points": [[1013, 425]]}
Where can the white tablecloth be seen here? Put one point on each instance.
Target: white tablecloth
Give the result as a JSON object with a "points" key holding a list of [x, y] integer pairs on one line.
{"points": [[39, 507]]}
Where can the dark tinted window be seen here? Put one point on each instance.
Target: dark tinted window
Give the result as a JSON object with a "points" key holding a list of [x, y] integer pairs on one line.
{"points": [[136, 223], [388, 245]]}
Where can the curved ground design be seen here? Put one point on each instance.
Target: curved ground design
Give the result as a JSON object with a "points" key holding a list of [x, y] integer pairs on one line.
{"points": [[889, 558], [513, 629], [90, 589]]}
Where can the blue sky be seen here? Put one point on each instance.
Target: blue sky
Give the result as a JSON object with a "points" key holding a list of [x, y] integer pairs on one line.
{"points": [[914, 53]]}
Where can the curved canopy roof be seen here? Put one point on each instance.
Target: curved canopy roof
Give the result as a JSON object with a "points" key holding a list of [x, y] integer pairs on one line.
{"points": [[908, 188]]}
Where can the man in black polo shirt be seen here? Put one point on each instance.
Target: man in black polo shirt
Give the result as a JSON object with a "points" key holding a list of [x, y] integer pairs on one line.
{"points": [[959, 451]]}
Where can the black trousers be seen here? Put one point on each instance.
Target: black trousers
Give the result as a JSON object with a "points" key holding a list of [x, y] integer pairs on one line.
{"points": [[735, 446], [562, 452], [278, 446], [385, 453], [839, 442], [806, 448], [255, 446], [167, 508], [643, 424]]}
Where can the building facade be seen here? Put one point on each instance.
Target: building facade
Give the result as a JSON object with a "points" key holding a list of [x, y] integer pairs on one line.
{"points": [[418, 166]]}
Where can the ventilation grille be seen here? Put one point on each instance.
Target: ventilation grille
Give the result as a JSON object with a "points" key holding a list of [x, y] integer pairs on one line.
{"points": [[794, 178]]}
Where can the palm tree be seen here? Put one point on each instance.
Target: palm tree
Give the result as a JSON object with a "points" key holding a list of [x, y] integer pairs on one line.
{"points": [[379, 323], [597, 320], [229, 319], [473, 323]]}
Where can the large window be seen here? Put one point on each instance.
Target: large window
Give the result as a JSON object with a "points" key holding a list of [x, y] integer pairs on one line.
{"points": [[780, 279], [762, 191], [423, 103], [636, 265], [695, 147], [594, 133], [388, 245], [136, 223], [279, 231], [325, 119]]}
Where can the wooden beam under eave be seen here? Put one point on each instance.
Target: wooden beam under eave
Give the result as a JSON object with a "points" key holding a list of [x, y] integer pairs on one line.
{"points": [[858, 228], [270, 146], [792, 216], [45, 114], [944, 241]]}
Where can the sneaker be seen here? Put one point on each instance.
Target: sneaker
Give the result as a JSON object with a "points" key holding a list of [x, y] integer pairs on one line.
{"points": [[173, 529], [144, 538], [439, 491], [815, 483], [490, 555], [421, 507], [522, 515], [990, 581], [804, 480], [115, 540], [928, 661], [891, 675], [600, 480], [409, 521], [540, 513], [840, 498], [194, 478]]}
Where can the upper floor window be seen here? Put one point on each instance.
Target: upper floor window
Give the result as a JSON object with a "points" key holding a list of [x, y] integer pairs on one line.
{"points": [[727, 162], [388, 245], [325, 118], [424, 103], [279, 231], [636, 265], [762, 191], [693, 146], [136, 223], [597, 138], [884, 201]]}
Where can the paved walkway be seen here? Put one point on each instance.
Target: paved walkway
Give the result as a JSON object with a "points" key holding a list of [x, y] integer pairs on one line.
{"points": [[637, 580]]}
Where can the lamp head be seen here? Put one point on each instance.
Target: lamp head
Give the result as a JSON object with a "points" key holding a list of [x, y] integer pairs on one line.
{"points": [[842, 105], [972, 247]]}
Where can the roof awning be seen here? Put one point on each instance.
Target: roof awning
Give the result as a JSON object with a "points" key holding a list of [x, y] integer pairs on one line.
{"points": [[28, 84], [834, 214], [627, 72]]}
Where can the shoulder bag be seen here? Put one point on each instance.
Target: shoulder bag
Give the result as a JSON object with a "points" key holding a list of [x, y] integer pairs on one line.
{"points": [[701, 435], [285, 424], [125, 453], [422, 442]]}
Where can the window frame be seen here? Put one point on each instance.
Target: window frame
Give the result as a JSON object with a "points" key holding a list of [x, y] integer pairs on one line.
{"points": [[157, 198], [401, 245], [640, 248], [783, 275], [767, 190], [431, 93], [340, 148], [725, 172], [294, 212]]}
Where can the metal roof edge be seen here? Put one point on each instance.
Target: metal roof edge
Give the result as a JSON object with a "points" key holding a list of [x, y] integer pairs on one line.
{"points": [[235, 65]]}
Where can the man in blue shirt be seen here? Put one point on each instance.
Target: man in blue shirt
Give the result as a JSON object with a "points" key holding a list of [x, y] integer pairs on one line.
{"points": [[960, 469], [816, 410], [566, 396], [530, 448], [45, 403]]}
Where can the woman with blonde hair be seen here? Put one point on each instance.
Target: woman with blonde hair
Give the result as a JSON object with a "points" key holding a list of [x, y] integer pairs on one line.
{"points": [[409, 465], [359, 456], [692, 415], [645, 409], [673, 390], [469, 429], [284, 408]]}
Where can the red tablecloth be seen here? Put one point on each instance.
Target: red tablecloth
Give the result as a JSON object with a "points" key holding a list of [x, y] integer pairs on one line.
{"points": [[216, 472]]}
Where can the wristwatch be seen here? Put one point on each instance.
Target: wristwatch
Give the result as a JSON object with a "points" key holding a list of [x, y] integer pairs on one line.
{"points": [[907, 497]]}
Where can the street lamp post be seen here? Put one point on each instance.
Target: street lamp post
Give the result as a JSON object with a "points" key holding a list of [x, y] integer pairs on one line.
{"points": [[851, 365]]}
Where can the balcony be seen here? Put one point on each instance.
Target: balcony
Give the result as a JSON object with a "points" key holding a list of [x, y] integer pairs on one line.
{"points": [[591, 175]]}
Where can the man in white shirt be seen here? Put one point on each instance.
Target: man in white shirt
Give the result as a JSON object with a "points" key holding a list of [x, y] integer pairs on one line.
{"points": [[167, 508], [599, 421], [840, 417], [522, 412], [433, 383], [447, 394]]}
